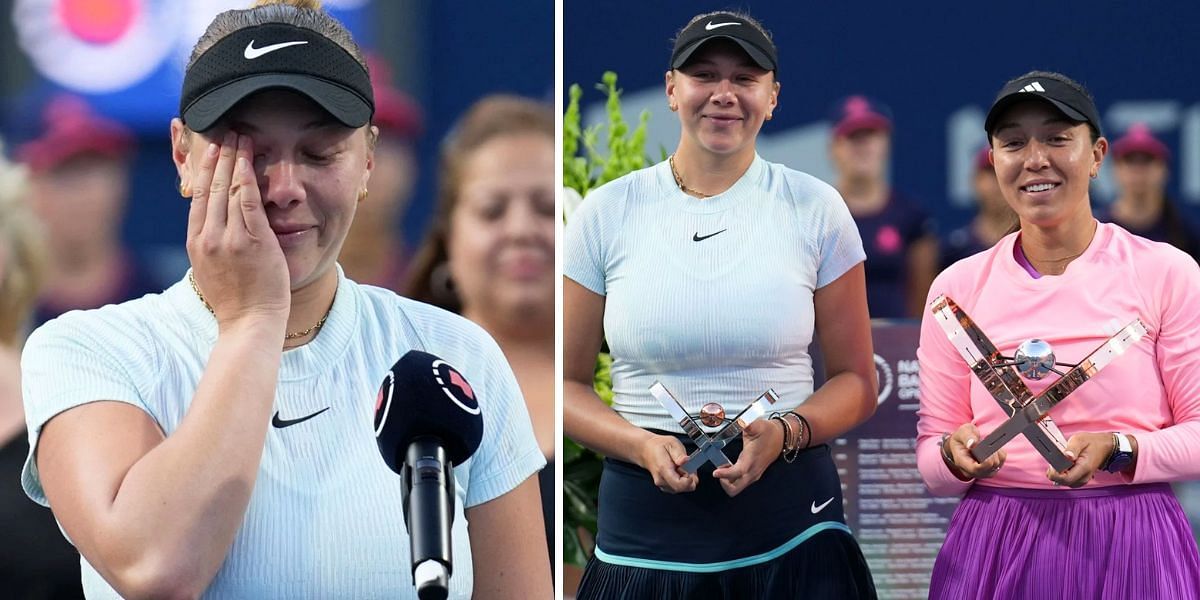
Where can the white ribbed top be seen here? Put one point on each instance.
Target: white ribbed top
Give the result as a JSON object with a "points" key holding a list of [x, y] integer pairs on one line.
{"points": [[721, 319], [325, 518]]}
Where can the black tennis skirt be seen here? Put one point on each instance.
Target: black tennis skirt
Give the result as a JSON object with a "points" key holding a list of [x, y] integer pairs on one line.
{"points": [[784, 536]]}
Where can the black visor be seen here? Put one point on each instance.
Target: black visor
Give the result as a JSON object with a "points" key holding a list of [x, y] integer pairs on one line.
{"points": [[275, 56], [1068, 100], [729, 27]]}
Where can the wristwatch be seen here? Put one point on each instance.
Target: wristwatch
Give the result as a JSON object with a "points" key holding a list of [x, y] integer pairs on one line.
{"points": [[1122, 455]]}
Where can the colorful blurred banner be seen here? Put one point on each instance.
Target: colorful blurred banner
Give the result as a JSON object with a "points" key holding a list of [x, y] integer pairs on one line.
{"points": [[127, 56]]}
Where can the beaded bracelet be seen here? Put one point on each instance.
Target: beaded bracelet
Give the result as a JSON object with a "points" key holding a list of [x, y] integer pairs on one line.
{"points": [[787, 431], [1108, 460]]}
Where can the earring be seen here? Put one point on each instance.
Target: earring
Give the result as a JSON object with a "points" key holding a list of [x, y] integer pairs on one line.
{"points": [[184, 190], [674, 107], [441, 284], [362, 194], [770, 116], [1095, 174]]}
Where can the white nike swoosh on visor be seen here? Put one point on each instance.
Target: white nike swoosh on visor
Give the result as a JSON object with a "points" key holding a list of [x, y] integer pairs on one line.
{"points": [[711, 26], [816, 509], [252, 53]]}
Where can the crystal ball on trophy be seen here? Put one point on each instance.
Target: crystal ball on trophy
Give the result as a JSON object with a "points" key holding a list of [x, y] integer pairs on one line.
{"points": [[1034, 359], [1026, 413], [712, 414]]}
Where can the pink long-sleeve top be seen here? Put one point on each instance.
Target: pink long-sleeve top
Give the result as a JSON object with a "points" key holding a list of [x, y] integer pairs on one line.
{"points": [[1151, 391]]}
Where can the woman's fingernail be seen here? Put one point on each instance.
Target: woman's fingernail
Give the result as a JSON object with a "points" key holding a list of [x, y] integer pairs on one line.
{"points": [[243, 164], [213, 149], [970, 442]]}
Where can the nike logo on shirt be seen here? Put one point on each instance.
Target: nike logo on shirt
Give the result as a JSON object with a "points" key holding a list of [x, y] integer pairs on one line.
{"points": [[281, 423], [696, 237], [252, 53], [816, 508]]}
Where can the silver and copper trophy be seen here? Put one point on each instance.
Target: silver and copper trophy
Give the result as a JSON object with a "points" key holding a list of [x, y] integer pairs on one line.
{"points": [[1034, 359], [711, 448]]}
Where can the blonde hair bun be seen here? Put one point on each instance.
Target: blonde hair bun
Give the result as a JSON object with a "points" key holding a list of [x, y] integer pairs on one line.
{"points": [[302, 4]]}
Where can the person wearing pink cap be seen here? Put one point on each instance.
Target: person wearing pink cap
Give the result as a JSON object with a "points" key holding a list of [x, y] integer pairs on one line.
{"points": [[79, 169], [1108, 526], [1143, 206], [993, 220], [375, 252], [897, 233]]}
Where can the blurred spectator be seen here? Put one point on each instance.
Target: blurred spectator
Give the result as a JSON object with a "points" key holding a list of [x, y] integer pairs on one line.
{"points": [[35, 560], [1143, 206], [897, 233], [375, 252], [490, 252], [79, 184], [993, 219]]}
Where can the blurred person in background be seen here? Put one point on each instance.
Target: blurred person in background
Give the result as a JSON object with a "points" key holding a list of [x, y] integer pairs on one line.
{"points": [[375, 252], [993, 218], [35, 561], [490, 252], [79, 186], [897, 233], [1140, 163]]}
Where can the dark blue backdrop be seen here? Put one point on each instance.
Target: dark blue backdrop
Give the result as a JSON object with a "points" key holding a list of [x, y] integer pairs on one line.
{"points": [[936, 64]]}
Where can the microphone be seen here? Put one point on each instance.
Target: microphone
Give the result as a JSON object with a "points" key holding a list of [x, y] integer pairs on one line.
{"points": [[426, 421]]}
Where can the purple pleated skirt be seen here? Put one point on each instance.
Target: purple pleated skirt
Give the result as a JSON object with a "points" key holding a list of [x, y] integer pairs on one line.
{"points": [[1113, 542]]}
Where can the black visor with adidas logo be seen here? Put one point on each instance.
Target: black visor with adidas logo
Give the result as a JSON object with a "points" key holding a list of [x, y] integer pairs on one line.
{"points": [[1072, 103], [729, 27], [275, 56]]}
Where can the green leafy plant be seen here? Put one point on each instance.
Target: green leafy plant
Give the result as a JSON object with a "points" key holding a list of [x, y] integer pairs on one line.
{"points": [[583, 172], [626, 149]]}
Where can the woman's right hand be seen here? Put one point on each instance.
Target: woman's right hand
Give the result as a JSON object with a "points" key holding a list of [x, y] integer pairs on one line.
{"points": [[957, 448], [664, 456], [236, 259]]}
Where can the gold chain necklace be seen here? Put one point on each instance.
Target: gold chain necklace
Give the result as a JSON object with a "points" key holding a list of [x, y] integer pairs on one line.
{"points": [[679, 181], [1051, 266], [286, 336], [1052, 261]]}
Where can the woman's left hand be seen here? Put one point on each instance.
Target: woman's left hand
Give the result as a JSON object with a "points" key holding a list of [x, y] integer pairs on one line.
{"points": [[1089, 450], [762, 441]]}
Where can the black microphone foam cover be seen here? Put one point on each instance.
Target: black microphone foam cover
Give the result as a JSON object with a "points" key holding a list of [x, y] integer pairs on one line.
{"points": [[423, 395]]}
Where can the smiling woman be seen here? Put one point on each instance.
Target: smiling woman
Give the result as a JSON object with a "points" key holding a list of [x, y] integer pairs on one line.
{"points": [[490, 252], [708, 274], [216, 439], [1023, 530]]}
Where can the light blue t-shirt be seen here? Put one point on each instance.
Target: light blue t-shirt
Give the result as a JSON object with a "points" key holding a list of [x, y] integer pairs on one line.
{"points": [[325, 519], [713, 297]]}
